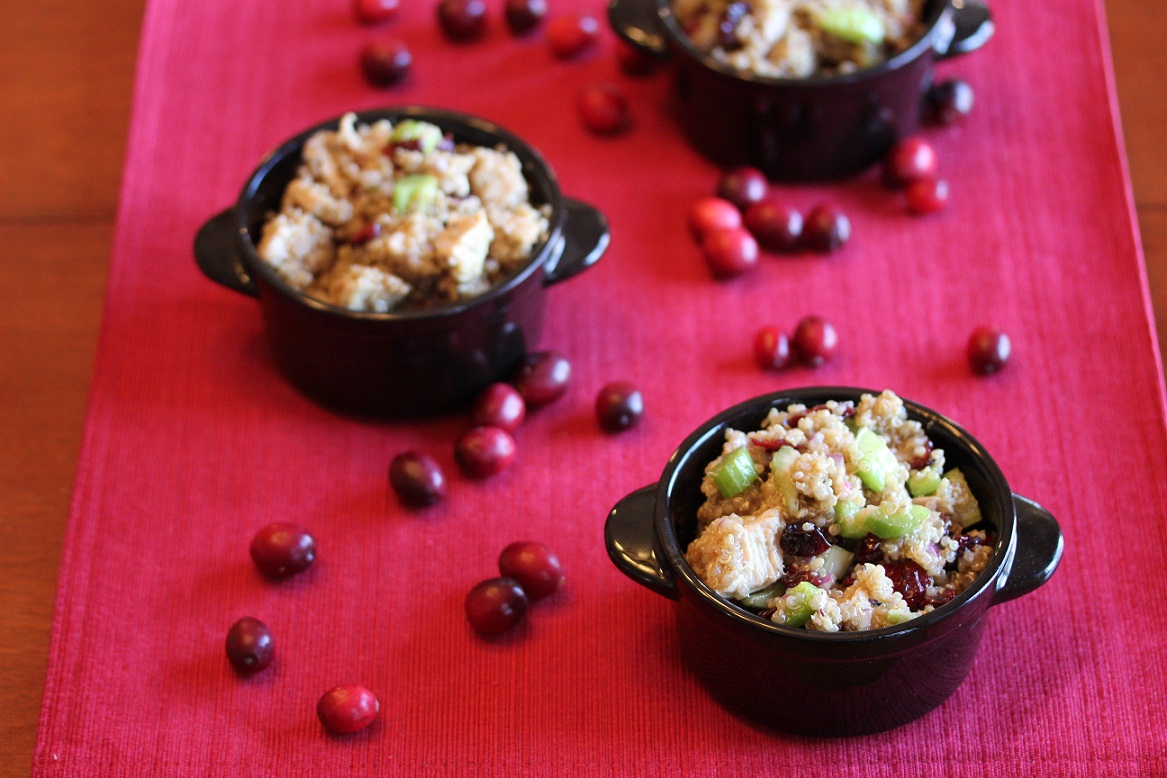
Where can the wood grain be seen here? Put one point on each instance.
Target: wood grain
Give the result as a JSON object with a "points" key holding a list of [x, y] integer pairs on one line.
{"points": [[66, 74]]}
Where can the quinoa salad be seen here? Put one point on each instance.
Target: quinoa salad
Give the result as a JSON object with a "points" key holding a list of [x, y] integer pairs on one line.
{"points": [[800, 38], [387, 216], [837, 517]]}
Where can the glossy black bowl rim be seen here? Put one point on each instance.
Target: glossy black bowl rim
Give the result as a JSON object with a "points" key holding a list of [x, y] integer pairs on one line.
{"points": [[1003, 545], [447, 120], [682, 41]]}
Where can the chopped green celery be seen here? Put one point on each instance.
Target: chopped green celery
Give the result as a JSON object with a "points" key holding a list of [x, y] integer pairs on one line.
{"points": [[836, 561], [797, 605], [850, 523], [734, 473], [427, 135], [898, 617], [780, 464], [855, 24], [924, 482], [415, 192], [889, 525], [965, 506], [761, 598], [876, 459]]}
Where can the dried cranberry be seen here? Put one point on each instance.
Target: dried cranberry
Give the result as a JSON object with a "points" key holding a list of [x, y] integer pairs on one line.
{"points": [[369, 232], [910, 580], [798, 541], [796, 574], [941, 597], [869, 551], [923, 460]]}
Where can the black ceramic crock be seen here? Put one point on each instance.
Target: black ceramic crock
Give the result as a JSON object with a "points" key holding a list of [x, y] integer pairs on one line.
{"points": [[816, 683], [801, 129], [409, 362]]}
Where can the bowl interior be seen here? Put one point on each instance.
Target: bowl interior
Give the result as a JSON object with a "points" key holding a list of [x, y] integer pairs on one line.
{"points": [[265, 189], [680, 492], [933, 11]]}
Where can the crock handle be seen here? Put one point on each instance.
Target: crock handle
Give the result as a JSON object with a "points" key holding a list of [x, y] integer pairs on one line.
{"points": [[637, 22], [973, 26], [585, 239], [216, 250], [1039, 550], [632, 545]]}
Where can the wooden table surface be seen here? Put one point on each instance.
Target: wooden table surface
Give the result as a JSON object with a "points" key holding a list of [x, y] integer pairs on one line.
{"points": [[66, 77]]}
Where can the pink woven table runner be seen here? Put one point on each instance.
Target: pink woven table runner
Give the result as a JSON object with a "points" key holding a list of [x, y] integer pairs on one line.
{"points": [[194, 441]]}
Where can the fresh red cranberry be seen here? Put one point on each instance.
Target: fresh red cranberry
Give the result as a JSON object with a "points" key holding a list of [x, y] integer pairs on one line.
{"points": [[500, 405], [771, 349], [496, 605], [385, 63], [282, 550], [522, 16], [619, 406], [249, 645], [776, 225], [375, 11], [603, 109], [366, 234], [869, 551], [926, 195], [534, 566], [797, 541], [417, 479], [826, 229], [543, 378], [909, 579], [743, 186], [462, 21], [347, 709], [815, 341], [729, 253], [633, 61], [713, 213], [988, 350], [484, 451], [909, 159], [949, 101], [569, 36]]}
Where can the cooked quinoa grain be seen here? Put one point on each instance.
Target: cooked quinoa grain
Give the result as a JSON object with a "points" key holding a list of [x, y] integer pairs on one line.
{"points": [[837, 517], [384, 216], [801, 38]]}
